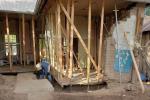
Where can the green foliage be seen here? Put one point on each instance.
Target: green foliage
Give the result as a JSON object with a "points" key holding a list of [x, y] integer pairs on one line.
{"points": [[147, 11]]}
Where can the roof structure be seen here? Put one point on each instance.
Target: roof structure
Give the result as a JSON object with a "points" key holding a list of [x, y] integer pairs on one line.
{"points": [[20, 6], [146, 1]]}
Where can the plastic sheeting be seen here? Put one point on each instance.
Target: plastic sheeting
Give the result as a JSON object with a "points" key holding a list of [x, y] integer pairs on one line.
{"points": [[24, 6]]}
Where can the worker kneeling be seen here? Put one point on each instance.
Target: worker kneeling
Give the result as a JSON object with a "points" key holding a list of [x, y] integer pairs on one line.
{"points": [[43, 69]]}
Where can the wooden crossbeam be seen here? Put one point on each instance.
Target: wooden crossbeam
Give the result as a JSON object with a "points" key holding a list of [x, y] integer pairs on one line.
{"points": [[101, 40], [33, 40], [9, 47], [78, 34]]}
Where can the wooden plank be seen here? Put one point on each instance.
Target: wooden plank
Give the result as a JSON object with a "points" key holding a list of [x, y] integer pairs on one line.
{"points": [[20, 41], [135, 65], [78, 34], [101, 40], [71, 40], [23, 34], [33, 40], [89, 41], [9, 46]]}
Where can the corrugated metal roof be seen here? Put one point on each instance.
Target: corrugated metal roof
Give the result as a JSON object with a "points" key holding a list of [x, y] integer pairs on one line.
{"points": [[23, 6]]}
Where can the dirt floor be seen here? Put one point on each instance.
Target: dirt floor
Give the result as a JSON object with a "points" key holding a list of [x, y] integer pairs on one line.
{"points": [[114, 91]]}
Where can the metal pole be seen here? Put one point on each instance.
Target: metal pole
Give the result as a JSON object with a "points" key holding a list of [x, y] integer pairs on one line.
{"points": [[118, 50]]}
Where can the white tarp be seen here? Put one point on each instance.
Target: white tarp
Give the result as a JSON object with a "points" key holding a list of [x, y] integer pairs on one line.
{"points": [[127, 26], [24, 6], [146, 1]]}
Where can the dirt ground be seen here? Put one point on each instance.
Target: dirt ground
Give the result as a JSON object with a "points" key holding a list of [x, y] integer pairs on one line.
{"points": [[113, 91]]}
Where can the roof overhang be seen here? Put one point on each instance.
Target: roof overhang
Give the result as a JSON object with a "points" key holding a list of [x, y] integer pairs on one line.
{"points": [[144, 1], [19, 6]]}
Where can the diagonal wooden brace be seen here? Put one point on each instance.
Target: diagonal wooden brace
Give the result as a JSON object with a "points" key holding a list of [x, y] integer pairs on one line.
{"points": [[78, 34]]}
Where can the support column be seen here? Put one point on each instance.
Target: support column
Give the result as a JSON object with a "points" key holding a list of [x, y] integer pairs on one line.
{"points": [[71, 40], [59, 39], [33, 40], [23, 32], [89, 41], [20, 41], [68, 36], [101, 41], [9, 46]]}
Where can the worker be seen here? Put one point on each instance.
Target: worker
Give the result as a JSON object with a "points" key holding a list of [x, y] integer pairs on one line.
{"points": [[43, 67]]}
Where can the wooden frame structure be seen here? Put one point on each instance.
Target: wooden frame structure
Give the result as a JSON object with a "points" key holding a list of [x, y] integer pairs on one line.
{"points": [[21, 43], [62, 31], [66, 74]]}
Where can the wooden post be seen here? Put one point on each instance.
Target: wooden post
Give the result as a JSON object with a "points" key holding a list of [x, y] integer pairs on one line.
{"points": [[9, 46], [53, 48], [23, 34], [56, 42], [71, 40], [139, 21], [101, 40], [59, 39], [78, 34], [89, 41], [20, 41], [50, 40], [33, 40], [68, 36]]}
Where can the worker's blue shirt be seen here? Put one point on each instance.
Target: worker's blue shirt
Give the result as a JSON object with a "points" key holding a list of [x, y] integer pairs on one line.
{"points": [[44, 72]]}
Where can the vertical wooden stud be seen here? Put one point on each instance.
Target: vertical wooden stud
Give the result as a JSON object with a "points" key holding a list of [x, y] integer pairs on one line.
{"points": [[59, 38], [89, 41], [23, 34], [20, 41], [33, 39], [9, 46], [68, 36], [101, 40], [71, 40]]}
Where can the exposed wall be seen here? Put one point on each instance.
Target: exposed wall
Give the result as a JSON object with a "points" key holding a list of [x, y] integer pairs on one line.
{"points": [[14, 29], [128, 25]]}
